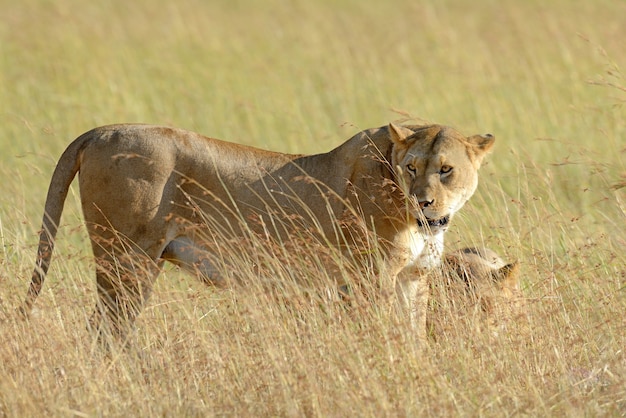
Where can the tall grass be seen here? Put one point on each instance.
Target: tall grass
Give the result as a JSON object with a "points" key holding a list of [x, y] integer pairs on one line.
{"points": [[545, 78]]}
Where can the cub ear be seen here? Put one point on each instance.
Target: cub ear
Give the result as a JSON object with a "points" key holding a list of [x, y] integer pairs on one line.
{"points": [[508, 276], [482, 145], [399, 133]]}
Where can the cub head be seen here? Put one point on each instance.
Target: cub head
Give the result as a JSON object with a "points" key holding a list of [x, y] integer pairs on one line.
{"points": [[436, 169], [487, 283], [478, 289], [484, 274]]}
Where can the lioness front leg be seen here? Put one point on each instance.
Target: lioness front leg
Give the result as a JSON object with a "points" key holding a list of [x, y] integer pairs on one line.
{"points": [[413, 281], [412, 290]]}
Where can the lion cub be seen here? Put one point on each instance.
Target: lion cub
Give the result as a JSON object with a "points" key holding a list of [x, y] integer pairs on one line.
{"points": [[476, 285]]}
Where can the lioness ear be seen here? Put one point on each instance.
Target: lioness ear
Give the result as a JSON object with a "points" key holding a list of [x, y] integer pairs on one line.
{"points": [[482, 145], [399, 134]]}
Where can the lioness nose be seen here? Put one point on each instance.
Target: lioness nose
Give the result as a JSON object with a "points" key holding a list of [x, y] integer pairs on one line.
{"points": [[425, 203]]}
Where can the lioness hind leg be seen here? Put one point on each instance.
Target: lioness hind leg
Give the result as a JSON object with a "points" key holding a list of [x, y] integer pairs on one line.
{"points": [[193, 258], [124, 285]]}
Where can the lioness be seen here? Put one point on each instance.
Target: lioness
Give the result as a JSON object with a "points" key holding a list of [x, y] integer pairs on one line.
{"points": [[477, 283], [151, 194]]}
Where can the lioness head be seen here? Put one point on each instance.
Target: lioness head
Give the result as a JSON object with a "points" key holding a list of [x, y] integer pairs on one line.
{"points": [[436, 169]]}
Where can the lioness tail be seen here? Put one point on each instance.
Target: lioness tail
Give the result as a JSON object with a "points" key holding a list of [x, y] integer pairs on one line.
{"points": [[64, 173]]}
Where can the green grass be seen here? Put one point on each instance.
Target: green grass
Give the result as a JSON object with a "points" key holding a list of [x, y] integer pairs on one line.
{"points": [[543, 77]]}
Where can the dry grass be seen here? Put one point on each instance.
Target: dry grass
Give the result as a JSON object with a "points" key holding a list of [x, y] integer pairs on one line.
{"points": [[545, 78]]}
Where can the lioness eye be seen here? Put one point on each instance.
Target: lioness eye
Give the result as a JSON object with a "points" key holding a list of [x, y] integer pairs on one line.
{"points": [[445, 169], [411, 168]]}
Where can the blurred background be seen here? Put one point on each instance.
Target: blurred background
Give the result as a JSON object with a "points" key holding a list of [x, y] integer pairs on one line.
{"points": [[302, 76]]}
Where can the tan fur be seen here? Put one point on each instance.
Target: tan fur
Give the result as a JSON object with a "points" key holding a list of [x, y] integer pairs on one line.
{"points": [[476, 281], [153, 193]]}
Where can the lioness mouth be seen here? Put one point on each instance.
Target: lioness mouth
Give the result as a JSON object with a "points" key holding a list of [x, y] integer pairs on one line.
{"points": [[433, 223]]}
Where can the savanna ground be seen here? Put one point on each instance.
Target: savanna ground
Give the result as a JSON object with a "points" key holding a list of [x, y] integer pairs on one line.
{"points": [[302, 76]]}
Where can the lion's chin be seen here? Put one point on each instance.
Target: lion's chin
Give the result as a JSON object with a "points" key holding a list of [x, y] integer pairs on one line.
{"points": [[434, 225]]}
